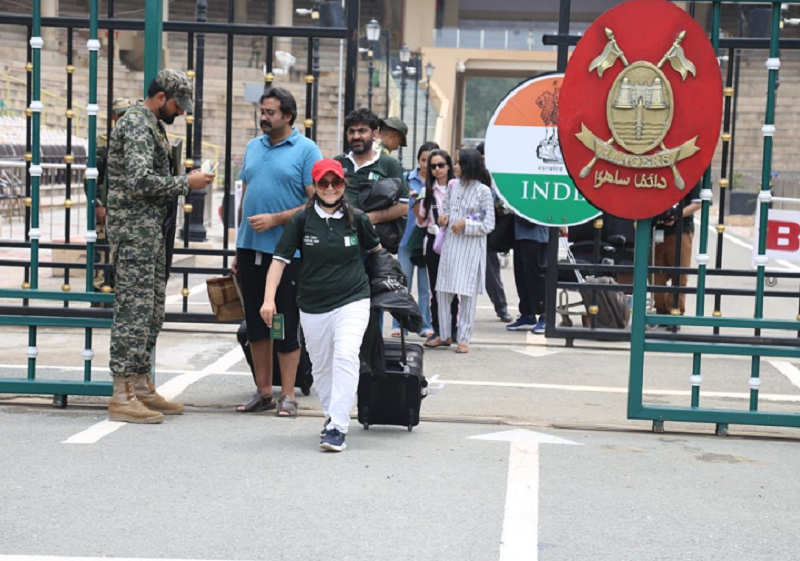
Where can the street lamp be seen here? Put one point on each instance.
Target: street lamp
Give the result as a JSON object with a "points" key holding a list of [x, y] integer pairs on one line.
{"points": [[429, 68], [373, 29]]}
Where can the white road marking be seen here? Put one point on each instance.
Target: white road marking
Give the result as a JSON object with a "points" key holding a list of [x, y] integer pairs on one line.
{"points": [[67, 558], [94, 433], [787, 369], [170, 390], [537, 351], [618, 390], [197, 289], [520, 538]]}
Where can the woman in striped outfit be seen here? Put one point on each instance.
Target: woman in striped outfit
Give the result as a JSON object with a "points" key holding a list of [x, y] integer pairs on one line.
{"points": [[468, 214]]}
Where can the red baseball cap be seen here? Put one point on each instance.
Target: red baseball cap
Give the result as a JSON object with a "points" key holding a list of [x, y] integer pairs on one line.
{"points": [[324, 166]]}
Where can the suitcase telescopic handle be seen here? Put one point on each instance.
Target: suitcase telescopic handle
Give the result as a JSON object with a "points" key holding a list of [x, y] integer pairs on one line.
{"points": [[403, 345]]}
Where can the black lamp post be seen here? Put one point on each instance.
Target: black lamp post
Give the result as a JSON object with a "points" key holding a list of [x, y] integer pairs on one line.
{"points": [[405, 57], [373, 29], [429, 68], [413, 72]]}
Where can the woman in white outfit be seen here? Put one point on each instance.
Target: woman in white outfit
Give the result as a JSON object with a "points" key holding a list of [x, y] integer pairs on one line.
{"points": [[332, 292], [468, 214]]}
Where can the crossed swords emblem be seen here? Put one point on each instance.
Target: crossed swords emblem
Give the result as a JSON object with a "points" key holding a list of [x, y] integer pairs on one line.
{"points": [[639, 111]]}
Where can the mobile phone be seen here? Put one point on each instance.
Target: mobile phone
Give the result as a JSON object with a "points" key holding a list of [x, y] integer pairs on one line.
{"points": [[276, 331]]}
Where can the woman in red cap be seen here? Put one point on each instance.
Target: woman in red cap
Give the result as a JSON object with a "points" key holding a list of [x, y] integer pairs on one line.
{"points": [[332, 292]]}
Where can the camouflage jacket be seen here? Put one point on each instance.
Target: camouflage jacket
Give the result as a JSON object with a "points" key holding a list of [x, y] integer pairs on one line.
{"points": [[141, 186], [101, 159]]}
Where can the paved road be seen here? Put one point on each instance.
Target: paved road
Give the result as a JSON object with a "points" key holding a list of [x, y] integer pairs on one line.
{"points": [[215, 484]]}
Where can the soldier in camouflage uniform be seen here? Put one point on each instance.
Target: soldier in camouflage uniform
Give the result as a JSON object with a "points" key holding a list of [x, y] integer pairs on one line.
{"points": [[141, 187], [119, 106]]}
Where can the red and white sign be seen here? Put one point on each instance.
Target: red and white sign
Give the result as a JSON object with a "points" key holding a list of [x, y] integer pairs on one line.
{"points": [[783, 235]]}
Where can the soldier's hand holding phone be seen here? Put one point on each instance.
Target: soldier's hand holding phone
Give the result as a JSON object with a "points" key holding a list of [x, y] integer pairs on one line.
{"points": [[199, 179]]}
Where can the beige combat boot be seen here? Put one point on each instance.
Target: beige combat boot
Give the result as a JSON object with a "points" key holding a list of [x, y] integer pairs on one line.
{"points": [[125, 408], [146, 393]]}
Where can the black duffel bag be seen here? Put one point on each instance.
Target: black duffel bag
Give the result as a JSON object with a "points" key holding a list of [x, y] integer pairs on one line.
{"points": [[380, 195], [501, 239]]}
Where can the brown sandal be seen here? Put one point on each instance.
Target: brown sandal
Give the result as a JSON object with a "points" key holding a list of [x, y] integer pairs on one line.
{"points": [[257, 404], [462, 348], [437, 342], [286, 407]]}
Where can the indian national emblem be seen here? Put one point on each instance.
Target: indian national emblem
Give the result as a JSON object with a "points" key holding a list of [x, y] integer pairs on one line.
{"points": [[639, 111], [549, 149]]}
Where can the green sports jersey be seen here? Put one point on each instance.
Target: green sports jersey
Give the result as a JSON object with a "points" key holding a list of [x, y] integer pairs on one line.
{"points": [[380, 167], [332, 273]]}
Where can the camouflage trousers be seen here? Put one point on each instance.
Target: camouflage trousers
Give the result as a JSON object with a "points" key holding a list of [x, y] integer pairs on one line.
{"points": [[140, 271]]}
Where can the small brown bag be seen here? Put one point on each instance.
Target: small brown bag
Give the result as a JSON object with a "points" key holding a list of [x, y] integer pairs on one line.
{"points": [[225, 298]]}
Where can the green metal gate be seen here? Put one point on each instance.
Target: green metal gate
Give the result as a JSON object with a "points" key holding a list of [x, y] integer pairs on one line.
{"points": [[35, 317], [716, 344]]}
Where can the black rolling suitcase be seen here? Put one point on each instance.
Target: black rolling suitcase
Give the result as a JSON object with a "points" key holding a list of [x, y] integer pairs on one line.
{"points": [[393, 397], [304, 379]]}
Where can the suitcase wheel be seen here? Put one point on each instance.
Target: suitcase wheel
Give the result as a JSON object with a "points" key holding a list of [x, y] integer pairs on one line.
{"points": [[410, 428], [366, 426]]}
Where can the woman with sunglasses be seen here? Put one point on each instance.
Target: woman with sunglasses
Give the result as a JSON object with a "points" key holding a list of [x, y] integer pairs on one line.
{"points": [[468, 215], [332, 292], [437, 178]]}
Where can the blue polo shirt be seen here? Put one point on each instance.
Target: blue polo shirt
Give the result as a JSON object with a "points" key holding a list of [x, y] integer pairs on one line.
{"points": [[276, 178]]}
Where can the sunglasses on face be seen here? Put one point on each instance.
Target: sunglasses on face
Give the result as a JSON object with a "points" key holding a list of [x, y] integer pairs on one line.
{"points": [[335, 183], [438, 166]]}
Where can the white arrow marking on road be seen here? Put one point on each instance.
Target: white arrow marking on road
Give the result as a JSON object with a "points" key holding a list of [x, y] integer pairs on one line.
{"points": [[520, 537]]}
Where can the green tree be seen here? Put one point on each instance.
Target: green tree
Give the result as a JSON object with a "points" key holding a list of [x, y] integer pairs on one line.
{"points": [[482, 97]]}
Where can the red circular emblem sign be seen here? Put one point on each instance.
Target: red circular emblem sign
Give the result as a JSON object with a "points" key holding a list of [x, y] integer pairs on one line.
{"points": [[640, 108]]}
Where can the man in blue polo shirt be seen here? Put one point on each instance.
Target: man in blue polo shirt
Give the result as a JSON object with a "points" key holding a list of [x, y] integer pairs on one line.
{"points": [[276, 177]]}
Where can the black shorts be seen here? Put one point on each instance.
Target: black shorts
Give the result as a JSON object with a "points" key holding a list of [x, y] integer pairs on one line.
{"points": [[253, 282]]}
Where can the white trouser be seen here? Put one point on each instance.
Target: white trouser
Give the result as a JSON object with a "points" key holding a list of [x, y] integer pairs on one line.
{"points": [[333, 340], [466, 315]]}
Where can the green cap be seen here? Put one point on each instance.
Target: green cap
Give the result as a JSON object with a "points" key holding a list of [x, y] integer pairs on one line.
{"points": [[398, 125], [176, 84]]}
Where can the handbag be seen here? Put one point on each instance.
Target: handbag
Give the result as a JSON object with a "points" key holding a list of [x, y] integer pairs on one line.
{"points": [[225, 298], [416, 246], [501, 239], [380, 195], [438, 241]]}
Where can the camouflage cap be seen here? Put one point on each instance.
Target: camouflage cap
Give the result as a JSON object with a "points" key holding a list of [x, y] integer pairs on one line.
{"points": [[176, 84], [120, 105], [398, 125]]}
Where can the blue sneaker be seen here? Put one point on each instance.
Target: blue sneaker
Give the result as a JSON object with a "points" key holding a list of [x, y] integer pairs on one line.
{"points": [[538, 329], [333, 441], [524, 323]]}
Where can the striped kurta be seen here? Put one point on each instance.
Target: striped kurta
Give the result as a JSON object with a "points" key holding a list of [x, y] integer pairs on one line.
{"points": [[462, 269]]}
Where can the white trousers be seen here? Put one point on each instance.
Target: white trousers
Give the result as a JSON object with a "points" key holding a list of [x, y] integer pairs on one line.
{"points": [[466, 315], [333, 340]]}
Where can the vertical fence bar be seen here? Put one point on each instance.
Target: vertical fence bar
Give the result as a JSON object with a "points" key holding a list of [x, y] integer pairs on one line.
{"points": [[768, 130], [68, 157], [724, 182], [35, 170], [309, 121], [640, 270], [28, 155], [226, 200], [702, 256], [153, 31], [92, 110], [351, 73], [551, 289], [189, 164]]}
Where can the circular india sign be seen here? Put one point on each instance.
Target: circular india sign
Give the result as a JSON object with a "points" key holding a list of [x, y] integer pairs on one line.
{"points": [[641, 108], [524, 156]]}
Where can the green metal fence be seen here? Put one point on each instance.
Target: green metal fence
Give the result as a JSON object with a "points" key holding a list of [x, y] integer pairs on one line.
{"points": [[718, 344], [61, 388]]}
